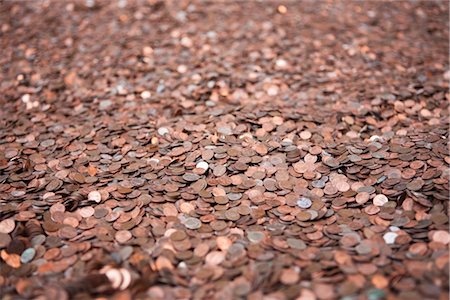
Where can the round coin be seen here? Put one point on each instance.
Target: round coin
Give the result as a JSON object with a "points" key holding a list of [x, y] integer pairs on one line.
{"points": [[380, 200], [192, 223], [123, 236], [27, 255], [304, 202], [7, 225]]}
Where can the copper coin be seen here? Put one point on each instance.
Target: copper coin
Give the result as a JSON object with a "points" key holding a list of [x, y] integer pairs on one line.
{"points": [[123, 236], [362, 197], [7, 225], [380, 200]]}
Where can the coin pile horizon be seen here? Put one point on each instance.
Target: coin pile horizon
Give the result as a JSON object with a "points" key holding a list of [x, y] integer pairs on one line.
{"points": [[224, 150]]}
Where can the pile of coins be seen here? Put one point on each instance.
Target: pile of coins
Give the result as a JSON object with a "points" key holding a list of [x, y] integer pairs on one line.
{"points": [[294, 152]]}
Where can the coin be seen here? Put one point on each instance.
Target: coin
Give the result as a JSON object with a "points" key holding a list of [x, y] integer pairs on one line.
{"points": [[192, 223], [380, 200], [202, 165], [7, 225], [296, 243], [362, 197], [255, 236], [303, 216], [95, 196], [441, 236], [289, 276], [304, 202], [122, 236], [27, 255], [390, 237]]}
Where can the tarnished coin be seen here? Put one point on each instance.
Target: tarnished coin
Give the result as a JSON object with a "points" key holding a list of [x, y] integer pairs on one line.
{"points": [[192, 223]]}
